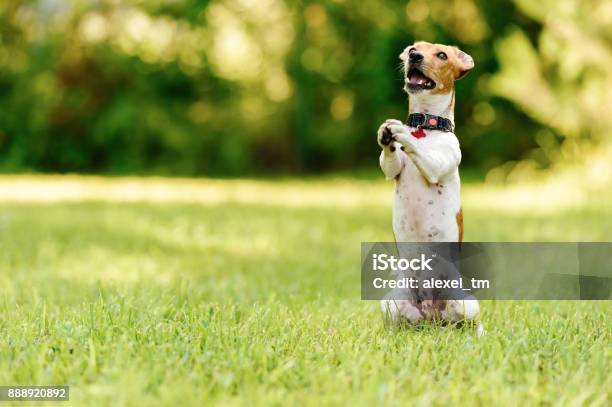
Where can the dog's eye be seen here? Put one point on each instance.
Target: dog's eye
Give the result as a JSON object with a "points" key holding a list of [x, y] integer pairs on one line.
{"points": [[411, 50], [442, 55]]}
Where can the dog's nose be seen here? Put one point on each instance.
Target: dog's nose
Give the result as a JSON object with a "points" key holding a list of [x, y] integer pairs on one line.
{"points": [[416, 57]]}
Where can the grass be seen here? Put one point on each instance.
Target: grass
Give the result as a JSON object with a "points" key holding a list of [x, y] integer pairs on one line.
{"points": [[182, 292]]}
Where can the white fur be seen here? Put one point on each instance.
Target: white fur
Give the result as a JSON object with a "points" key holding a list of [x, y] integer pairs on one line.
{"points": [[427, 191], [427, 196], [396, 310]]}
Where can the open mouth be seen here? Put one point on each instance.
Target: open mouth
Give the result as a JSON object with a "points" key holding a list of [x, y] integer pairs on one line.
{"points": [[416, 80]]}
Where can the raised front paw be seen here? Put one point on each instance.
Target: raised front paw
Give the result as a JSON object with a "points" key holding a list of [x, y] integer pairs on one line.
{"points": [[384, 135], [401, 134]]}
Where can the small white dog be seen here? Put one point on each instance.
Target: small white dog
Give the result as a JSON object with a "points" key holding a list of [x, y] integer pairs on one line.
{"points": [[423, 157]]}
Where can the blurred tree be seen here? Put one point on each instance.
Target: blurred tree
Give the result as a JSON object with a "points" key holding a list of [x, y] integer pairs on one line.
{"points": [[562, 80], [235, 87]]}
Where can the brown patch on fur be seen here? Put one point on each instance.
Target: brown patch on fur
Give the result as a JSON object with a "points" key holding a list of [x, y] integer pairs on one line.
{"points": [[440, 305], [460, 224], [444, 72], [431, 309]]}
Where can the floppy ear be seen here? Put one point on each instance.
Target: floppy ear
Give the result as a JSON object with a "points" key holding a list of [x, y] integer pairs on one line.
{"points": [[404, 55], [466, 63]]}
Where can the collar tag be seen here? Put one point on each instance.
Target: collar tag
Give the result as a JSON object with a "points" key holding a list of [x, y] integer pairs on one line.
{"points": [[418, 133]]}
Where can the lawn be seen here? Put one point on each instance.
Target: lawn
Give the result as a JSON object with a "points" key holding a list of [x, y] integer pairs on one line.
{"points": [[192, 292]]}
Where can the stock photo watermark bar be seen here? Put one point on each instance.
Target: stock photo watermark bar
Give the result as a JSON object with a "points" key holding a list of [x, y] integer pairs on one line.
{"points": [[34, 393], [486, 270]]}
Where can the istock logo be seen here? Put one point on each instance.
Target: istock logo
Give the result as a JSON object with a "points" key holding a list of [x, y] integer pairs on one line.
{"points": [[383, 262]]}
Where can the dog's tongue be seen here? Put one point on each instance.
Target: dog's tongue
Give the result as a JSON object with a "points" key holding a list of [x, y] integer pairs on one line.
{"points": [[417, 78]]}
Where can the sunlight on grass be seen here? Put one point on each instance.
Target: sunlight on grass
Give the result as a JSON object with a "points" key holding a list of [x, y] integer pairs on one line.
{"points": [[137, 291], [543, 197]]}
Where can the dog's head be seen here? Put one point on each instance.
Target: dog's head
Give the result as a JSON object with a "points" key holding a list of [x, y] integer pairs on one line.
{"points": [[433, 67]]}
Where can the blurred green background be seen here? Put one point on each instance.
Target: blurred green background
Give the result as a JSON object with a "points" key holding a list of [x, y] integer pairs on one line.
{"points": [[136, 290], [255, 87]]}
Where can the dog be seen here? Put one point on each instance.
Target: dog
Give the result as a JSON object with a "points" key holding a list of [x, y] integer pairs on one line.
{"points": [[423, 157]]}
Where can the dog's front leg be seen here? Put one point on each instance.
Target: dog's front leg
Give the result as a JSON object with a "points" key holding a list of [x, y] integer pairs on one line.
{"points": [[391, 158], [435, 158]]}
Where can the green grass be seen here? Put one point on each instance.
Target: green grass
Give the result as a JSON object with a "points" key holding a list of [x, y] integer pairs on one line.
{"points": [[248, 294]]}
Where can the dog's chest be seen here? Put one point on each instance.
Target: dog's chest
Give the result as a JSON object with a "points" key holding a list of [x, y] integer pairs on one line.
{"points": [[423, 211]]}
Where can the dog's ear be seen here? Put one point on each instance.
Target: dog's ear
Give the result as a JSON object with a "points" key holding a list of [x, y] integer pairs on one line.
{"points": [[466, 63], [404, 55]]}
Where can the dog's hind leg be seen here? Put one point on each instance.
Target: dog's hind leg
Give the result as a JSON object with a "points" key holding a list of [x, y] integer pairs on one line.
{"points": [[396, 311], [465, 310]]}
